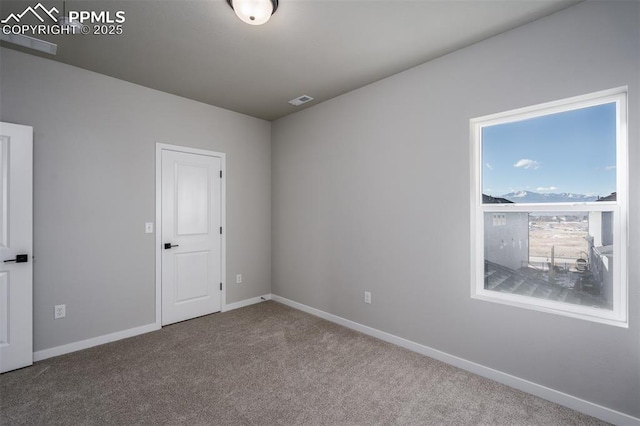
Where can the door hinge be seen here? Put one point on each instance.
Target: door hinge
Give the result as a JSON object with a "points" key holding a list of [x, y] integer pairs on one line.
{"points": [[220, 286], [220, 174], [221, 230]]}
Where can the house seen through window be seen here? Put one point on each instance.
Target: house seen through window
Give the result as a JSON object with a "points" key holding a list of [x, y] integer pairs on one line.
{"points": [[550, 207]]}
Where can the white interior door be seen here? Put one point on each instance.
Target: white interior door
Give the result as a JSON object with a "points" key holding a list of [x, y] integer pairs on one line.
{"points": [[191, 235], [16, 246]]}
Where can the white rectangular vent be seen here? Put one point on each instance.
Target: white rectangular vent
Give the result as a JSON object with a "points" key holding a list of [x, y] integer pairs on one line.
{"points": [[300, 100]]}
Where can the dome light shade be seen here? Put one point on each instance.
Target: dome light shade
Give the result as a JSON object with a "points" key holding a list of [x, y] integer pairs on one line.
{"points": [[254, 12]]}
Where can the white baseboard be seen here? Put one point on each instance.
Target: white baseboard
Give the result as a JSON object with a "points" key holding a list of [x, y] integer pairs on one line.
{"points": [[108, 338], [245, 302], [586, 407], [95, 341]]}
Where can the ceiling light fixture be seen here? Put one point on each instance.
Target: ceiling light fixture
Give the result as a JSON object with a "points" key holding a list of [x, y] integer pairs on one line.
{"points": [[254, 12], [70, 26]]}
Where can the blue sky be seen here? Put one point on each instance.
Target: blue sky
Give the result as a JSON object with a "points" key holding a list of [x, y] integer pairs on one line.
{"points": [[572, 151]]}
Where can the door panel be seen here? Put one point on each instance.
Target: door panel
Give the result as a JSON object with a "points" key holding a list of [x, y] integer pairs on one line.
{"points": [[191, 221], [192, 275], [4, 308], [193, 199], [16, 238], [4, 191]]}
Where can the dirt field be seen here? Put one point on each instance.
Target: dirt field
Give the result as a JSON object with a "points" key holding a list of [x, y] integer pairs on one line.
{"points": [[567, 236]]}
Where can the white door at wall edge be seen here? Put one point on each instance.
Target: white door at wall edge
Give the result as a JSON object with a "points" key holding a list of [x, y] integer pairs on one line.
{"points": [[16, 246], [191, 237]]}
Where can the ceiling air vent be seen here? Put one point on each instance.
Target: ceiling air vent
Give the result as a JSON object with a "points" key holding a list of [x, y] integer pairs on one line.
{"points": [[300, 100]]}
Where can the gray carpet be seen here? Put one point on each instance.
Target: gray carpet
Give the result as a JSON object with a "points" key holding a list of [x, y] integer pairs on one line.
{"points": [[265, 364]]}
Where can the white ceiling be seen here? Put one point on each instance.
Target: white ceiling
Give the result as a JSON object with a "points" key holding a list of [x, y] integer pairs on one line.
{"points": [[321, 48]]}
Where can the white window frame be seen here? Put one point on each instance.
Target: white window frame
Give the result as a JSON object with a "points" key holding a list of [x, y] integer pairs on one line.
{"points": [[618, 316]]}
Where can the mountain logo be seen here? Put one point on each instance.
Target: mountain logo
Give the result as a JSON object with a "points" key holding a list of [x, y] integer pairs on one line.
{"points": [[34, 11]]}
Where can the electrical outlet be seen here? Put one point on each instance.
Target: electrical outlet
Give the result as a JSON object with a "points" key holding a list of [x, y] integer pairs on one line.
{"points": [[367, 297], [239, 279], [59, 311]]}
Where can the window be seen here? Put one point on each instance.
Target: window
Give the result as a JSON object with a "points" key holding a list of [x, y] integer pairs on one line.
{"points": [[549, 207]]}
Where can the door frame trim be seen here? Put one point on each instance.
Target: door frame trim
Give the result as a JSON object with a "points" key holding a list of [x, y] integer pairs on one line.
{"points": [[158, 227]]}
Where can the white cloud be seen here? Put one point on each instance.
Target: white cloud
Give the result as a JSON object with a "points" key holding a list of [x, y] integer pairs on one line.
{"points": [[610, 168], [527, 164], [549, 188], [489, 166]]}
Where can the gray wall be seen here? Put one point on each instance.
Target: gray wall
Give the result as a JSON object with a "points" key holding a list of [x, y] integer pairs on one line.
{"points": [[94, 188], [371, 191]]}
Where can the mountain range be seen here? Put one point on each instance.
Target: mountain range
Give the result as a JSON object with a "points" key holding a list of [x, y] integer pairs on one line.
{"points": [[536, 197]]}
